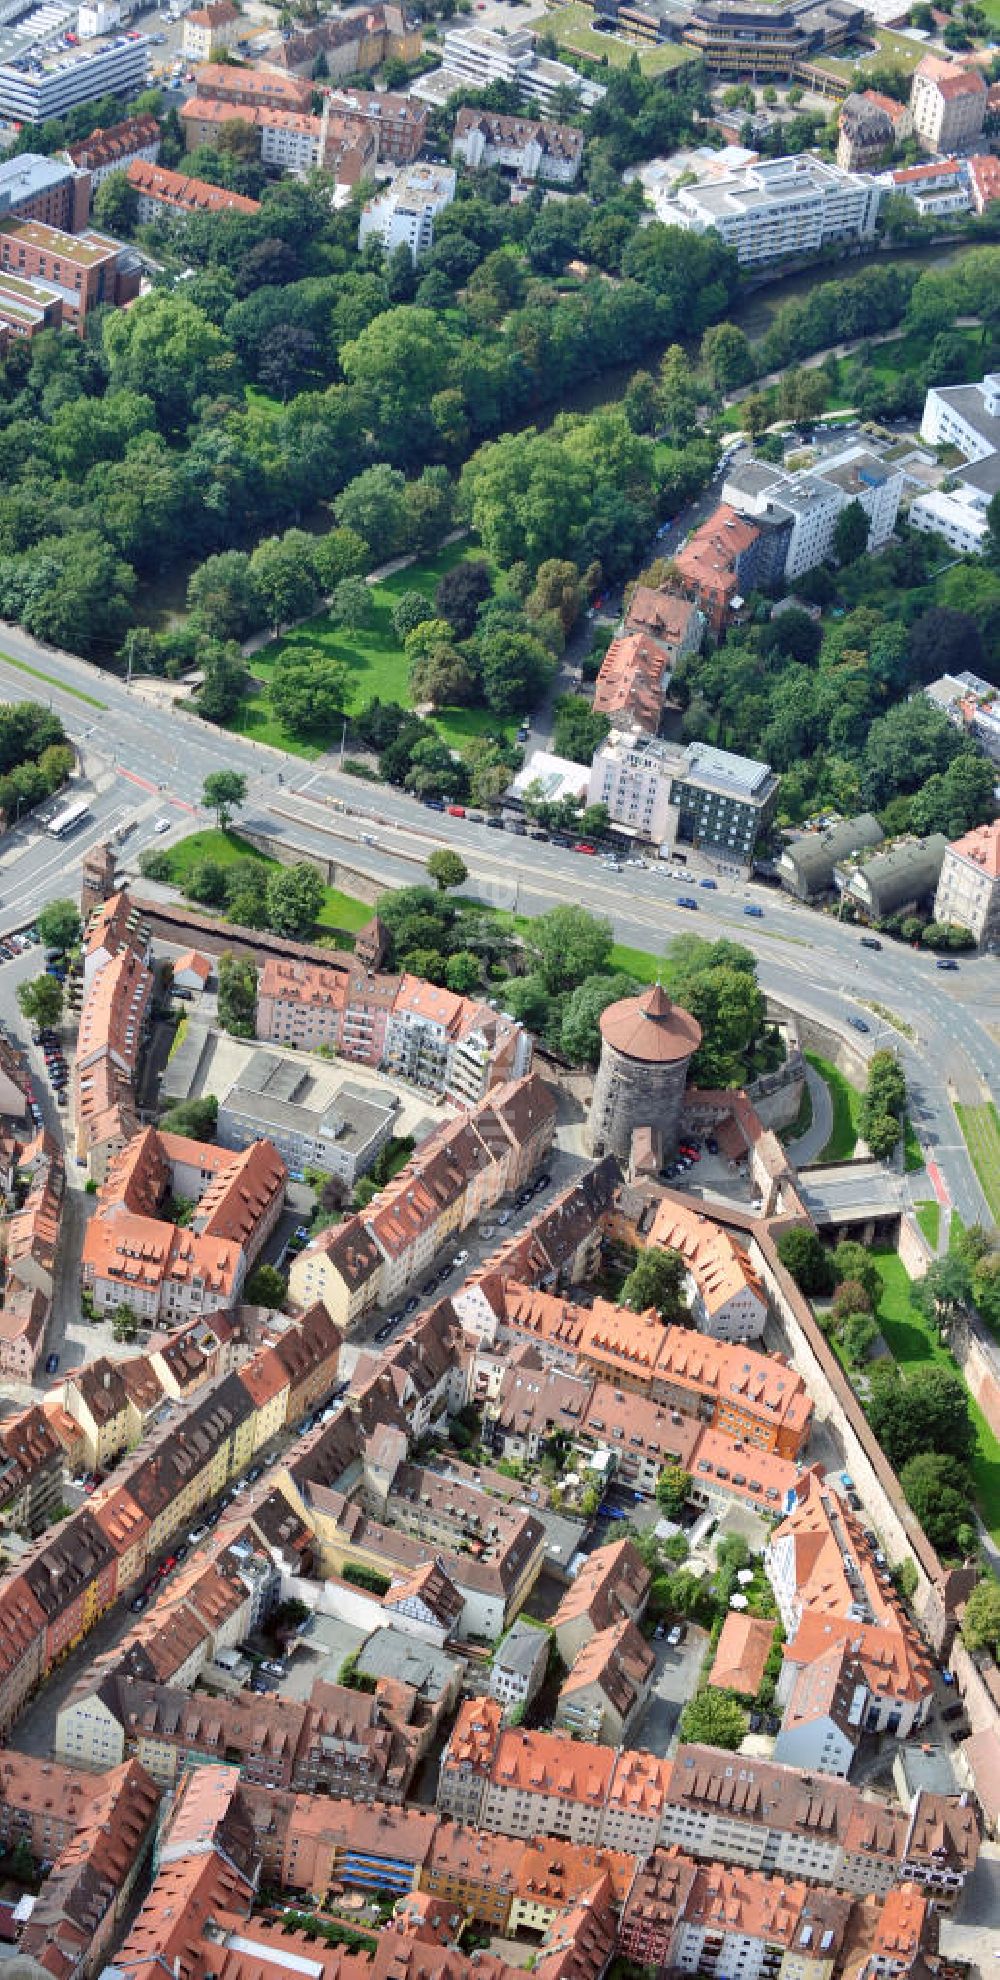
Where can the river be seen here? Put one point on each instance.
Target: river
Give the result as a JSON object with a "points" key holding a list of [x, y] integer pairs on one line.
{"points": [[754, 314]]}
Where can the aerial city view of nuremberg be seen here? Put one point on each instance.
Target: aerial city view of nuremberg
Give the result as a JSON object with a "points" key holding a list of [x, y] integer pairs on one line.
{"points": [[499, 989]]}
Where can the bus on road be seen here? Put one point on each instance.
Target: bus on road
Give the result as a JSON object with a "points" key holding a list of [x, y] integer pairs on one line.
{"points": [[67, 821]]}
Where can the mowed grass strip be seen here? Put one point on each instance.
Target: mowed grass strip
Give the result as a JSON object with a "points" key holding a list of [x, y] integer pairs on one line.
{"points": [[62, 687], [981, 1132], [846, 1101], [929, 1219]]}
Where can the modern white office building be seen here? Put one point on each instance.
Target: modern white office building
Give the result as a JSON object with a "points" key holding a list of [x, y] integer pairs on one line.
{"points": [[476, 57], [404, 215], [779, 207], [814, 498], [966, 417], [46, 83], [959, 515]]}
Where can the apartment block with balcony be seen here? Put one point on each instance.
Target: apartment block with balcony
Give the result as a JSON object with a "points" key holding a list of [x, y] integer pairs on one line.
{"points": [[404, 214], [780, 207]]}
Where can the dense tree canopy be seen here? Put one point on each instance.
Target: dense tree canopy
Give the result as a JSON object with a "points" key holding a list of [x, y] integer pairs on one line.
{"points": [[657, 1280], [925, 1410]]}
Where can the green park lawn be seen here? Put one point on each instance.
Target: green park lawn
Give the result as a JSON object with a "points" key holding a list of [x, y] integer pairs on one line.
{"points": [[339, 914], [981, 1130], [375, 661], [913, 1154], [929, 1219], [846, 1105], [913, 1343], [575, 33], [900, 357], [224, 848]]}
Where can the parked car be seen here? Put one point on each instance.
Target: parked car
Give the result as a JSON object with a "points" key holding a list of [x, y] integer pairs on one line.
{"points": [[273, 1668], [676, 1635], [51, 1363], [541, 1182], [946, 962], [870, 942]]}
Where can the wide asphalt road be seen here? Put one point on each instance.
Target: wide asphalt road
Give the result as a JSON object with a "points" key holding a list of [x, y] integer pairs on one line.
{"points": [[151, 760]]}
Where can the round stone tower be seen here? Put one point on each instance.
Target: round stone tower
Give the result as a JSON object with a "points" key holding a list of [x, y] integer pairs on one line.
{"points": [[647, 1044]]}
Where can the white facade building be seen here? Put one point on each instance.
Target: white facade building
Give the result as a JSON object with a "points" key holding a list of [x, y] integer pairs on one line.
{"points": [[98, 17], [959, 515], [632, 775], [698, 796], [948, 104], [519, 1665], [934, 190], [478, 56], [485, 138], [966, 417], [968, 891], [291, 142], [404, 215], [779, 207], [815, 498]]}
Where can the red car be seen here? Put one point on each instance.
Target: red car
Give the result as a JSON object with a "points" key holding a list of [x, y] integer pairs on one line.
{"points": [[583, 847], [456, 811]]}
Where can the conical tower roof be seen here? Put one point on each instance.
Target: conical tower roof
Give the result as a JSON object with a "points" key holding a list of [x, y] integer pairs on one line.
{"points": [[650, 1028]]}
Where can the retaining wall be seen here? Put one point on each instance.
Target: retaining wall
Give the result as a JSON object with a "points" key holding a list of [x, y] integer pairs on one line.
{"points": [[826, 1039], [978, 1357]]}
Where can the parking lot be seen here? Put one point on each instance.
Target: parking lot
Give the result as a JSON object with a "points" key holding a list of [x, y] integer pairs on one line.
{"points": [[676, 1680]]}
